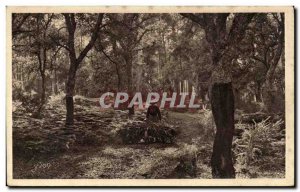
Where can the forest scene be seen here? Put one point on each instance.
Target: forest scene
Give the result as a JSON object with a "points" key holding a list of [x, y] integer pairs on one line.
{"points": [[230, 65]]}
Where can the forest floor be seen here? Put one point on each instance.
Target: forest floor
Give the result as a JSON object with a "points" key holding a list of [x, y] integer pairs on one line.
{"points": [[44, 148]]}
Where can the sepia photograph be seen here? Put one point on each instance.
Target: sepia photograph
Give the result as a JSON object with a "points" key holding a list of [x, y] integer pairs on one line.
{"points": [[150, 96]]}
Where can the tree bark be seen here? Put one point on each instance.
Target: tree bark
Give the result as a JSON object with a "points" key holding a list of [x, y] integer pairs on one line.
{"points": [[41, 54], [221, 39], [43, 97], [202, 93], [258, 93], [54, 82], [70, 110], [42, 59], [222, 103], [70, 87], [128, 60], [119, 80], [269, 88], [271, 61], [21, 78], [117, 67]]}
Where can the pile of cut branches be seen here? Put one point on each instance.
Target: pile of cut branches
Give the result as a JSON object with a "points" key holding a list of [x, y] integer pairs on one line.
{"points": [[147, 132]]}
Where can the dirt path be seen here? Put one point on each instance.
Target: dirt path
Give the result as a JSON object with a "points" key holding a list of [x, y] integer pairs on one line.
{"points": [[188, 124], [116, 160]]}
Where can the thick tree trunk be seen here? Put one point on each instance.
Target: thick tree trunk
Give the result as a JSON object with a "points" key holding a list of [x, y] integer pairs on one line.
{"points": [[70, 110], [70, 87], [222, 102], [222, 38]]}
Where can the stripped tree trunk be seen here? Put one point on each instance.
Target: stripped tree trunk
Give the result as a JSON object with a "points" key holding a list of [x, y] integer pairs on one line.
{"points": [[222, 38], [222, 103]]}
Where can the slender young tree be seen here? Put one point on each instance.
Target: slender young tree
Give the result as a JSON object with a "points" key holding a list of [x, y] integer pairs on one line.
{"points": [[75, 60], [127, 32], [268, 51], [43, 23]]}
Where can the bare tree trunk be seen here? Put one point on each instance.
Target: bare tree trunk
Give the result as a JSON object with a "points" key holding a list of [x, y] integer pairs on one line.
{"points": [[22, 79], [222, 102], [117, 68], [42, 58], [221, 41], [75, 61], [202, 93], [119, 77], [43, 97], [128, 60], [269, 93], [54, 82], [70, 87], [258, 93], [269, 88]]}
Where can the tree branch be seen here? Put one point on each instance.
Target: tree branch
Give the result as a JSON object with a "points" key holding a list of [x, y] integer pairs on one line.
{"points": [[93, 39], [239, 24], [196, 18], [141, 36], [16, 29], [58, 43], [106, 55]]}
